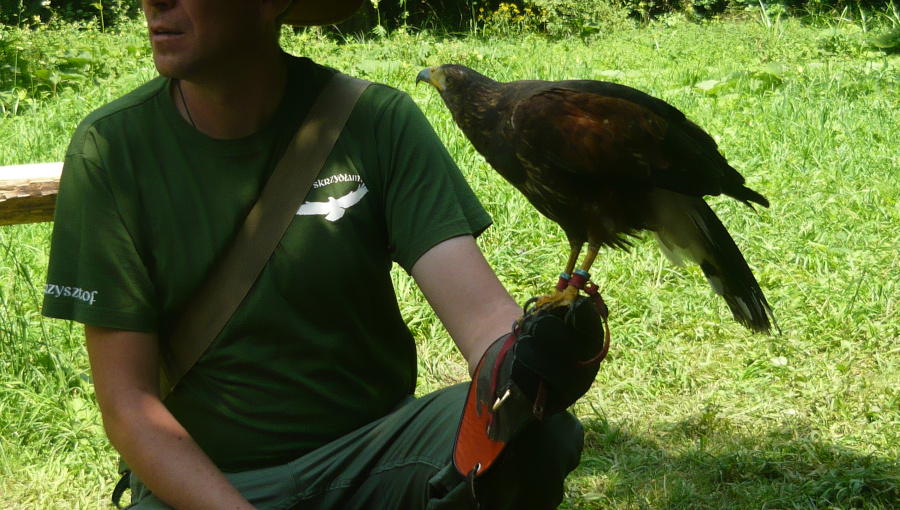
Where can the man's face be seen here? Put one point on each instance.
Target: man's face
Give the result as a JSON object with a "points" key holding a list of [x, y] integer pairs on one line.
{"points": [[202, 38]]}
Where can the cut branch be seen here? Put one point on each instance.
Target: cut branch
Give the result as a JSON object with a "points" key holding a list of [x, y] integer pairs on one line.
{"points": [[28, 192]]}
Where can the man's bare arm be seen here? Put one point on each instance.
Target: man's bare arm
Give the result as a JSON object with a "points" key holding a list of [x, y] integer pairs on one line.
{"points": [[466, 295], [156, 447]]}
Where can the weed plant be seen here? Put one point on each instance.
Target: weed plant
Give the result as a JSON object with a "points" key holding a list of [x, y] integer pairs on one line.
{"points": [[689, 410]]}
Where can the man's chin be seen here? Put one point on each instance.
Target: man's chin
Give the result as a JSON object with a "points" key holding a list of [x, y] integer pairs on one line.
{"points": [[164, 69], [168, 66]]}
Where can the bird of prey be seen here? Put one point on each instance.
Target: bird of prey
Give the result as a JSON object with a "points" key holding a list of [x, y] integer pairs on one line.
{"points": [[334, 208], [606, 161]]}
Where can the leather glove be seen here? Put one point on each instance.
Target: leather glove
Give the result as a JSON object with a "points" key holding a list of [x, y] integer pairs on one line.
{"points": [[548, 361], [557, 354]]}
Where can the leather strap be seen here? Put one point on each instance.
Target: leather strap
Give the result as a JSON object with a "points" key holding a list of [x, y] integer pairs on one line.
{"points": [[223, 290]]}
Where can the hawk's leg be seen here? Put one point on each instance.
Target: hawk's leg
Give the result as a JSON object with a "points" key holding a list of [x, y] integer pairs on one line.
{"points": [[569, 284], [574, 251], [589, 258]]}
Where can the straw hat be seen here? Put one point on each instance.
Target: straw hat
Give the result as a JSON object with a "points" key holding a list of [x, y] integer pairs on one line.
{"points": [[320, 12]]}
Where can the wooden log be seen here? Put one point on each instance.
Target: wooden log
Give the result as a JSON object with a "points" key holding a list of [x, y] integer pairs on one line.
{"points": [[28, 192]]}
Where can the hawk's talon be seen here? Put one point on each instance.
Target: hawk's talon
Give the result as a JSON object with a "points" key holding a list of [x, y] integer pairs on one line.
{"points": [[531, 302], [558, 299]]}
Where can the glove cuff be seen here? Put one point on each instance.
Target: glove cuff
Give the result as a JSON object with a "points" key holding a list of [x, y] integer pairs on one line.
{"points": [[495, 410], [548, 361]]}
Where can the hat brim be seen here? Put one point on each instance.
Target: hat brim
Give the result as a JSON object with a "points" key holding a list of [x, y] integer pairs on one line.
{"points": [[320, 12]]}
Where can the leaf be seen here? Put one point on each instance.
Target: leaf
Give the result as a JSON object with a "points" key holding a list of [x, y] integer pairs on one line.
{"points": [[79, 410], [731, 97], [775, 69], [614, 74], [756, 84], [376, 66], [69, 77], [888, 41], [47, 75], [707, 85], [594, 496], [712, 87], [779, 361], [78, 58]]}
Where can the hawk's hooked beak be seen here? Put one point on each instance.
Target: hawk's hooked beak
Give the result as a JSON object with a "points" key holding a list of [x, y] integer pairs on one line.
{"points": [[433, 76]]}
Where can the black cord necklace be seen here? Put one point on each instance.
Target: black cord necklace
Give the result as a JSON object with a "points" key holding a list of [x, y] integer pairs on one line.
{"points": [[184, 103]]}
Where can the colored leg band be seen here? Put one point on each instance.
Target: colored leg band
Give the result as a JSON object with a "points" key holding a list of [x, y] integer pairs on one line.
{"points": [[580, 279], [563, 282]]}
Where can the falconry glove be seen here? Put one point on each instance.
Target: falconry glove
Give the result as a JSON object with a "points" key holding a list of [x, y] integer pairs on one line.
{"points": [[546, 364]]}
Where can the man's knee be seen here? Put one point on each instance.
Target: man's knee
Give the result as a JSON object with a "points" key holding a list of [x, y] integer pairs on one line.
{"points": [[534, 466], [554, 443]]}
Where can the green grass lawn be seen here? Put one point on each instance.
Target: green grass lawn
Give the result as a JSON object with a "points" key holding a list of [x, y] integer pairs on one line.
{"points": [[689, 410]]}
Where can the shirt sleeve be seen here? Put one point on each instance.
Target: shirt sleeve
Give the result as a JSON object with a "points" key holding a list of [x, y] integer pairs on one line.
{"points": [[95, 274], [427, 199]]}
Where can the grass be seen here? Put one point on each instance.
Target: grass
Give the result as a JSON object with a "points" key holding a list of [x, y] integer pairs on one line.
{"points": [[689, 410]]}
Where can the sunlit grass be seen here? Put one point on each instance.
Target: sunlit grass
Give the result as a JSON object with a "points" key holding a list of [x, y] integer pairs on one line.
{"points": [[689, 410]]}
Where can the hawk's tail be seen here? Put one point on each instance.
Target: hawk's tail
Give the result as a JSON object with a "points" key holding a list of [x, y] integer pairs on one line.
{"points": [[692, 231]]}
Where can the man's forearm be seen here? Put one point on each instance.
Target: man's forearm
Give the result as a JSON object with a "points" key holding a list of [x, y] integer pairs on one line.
{"points": [[466, 295], [166, 459]]}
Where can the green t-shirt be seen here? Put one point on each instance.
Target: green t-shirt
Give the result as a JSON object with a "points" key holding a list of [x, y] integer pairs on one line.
{"points": [[318, 348]]}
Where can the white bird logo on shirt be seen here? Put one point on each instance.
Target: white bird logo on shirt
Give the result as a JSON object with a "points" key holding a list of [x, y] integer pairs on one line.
{"points": [[334, 208]]}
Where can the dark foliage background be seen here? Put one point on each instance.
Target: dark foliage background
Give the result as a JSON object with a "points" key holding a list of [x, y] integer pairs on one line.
{"points": [[449, 15], [107, 12], [459, 15]]}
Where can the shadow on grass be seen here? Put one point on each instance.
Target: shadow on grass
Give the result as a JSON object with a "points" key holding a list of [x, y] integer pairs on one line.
{"points": [[704, 462]]}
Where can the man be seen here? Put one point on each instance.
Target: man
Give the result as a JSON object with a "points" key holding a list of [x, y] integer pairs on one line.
{"points": [[304, 399]]}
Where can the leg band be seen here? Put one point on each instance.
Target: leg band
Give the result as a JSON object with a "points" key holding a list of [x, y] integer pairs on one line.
{"points": [[563, 281], [580, 279]]}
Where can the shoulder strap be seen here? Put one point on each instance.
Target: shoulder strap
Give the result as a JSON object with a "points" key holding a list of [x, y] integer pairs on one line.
{"points": [[223, 290]]}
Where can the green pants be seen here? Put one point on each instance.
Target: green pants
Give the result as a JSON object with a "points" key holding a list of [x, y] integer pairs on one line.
{"points": [[403, 461]]}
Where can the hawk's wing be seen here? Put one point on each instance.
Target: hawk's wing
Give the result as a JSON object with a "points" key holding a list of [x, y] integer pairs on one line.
{"points": [[609, 138]]}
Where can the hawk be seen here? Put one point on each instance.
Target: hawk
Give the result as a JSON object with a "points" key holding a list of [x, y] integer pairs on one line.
{"points": [[606, 162]]}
